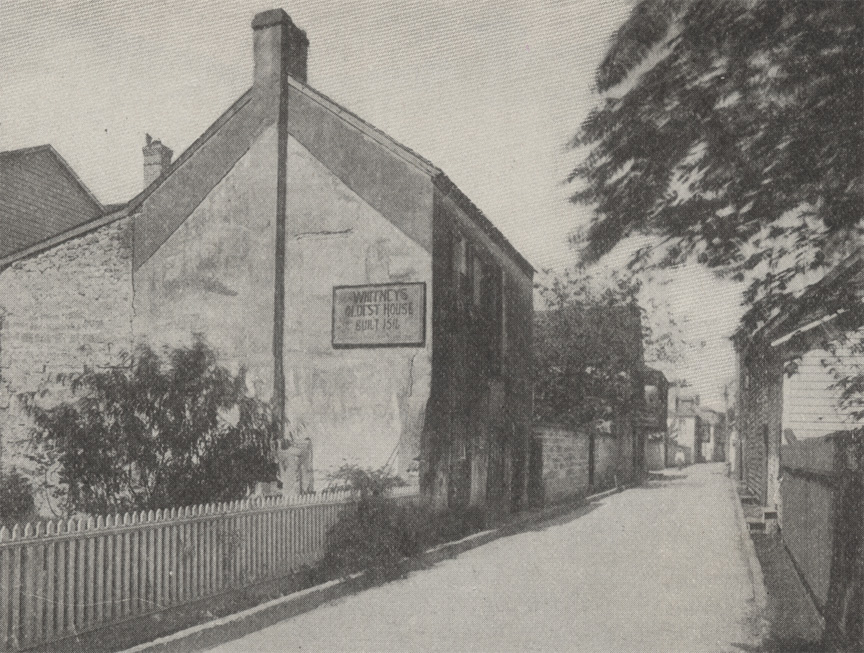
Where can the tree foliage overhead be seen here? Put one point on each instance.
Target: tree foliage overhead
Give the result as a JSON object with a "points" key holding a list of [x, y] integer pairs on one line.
{"points": [[155, 434], [720, 121]]}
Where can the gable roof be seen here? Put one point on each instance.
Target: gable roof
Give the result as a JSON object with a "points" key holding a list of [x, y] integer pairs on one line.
{"points": [[40, 197], [243, 108], [438, 177]]}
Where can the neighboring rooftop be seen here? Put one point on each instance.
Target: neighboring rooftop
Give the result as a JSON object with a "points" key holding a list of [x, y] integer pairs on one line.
{"points": [[40, 197]]}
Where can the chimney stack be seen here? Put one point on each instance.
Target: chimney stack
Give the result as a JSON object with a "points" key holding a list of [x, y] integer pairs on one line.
{"points": [[157, 158], [280, 47]]}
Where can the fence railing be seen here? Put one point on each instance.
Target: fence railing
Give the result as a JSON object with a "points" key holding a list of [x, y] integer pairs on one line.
{"points": [[63, 578]]}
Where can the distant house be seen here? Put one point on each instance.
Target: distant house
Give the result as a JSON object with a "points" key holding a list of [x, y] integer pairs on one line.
{"points": [[711, 440], [655, 418], [696, 430], [683, 421], [383, 315]]}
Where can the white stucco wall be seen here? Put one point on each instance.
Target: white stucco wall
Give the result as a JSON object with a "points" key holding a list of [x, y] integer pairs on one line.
{"points": [[361, 405]]}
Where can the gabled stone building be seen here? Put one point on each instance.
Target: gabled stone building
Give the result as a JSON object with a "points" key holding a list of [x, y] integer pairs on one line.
{"points": [[376, 307]]}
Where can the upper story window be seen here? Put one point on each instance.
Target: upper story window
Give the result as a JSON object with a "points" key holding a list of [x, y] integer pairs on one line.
{"points": [[480, 283]]}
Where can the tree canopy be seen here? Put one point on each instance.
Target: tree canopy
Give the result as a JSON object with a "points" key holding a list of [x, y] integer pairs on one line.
{"points": [[588, 352], [156, 433], [732, 131]]}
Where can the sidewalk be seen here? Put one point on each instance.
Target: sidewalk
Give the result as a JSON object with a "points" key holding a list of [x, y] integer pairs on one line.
{"points": [[658, 568]]}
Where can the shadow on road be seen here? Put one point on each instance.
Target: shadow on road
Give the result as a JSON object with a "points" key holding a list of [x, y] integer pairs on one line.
{"points": [[566, 518], [668, 476], [668, 481]]}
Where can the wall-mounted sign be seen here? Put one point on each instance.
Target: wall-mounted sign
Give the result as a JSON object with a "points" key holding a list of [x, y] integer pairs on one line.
{"points": [[379, 315]]}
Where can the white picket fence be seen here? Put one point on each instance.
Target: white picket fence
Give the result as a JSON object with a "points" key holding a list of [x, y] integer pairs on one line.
{"points": [[67, 577]]}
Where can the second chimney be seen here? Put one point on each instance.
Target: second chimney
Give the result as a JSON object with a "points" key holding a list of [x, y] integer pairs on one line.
{"points": [[157, 158], [280, 47]]}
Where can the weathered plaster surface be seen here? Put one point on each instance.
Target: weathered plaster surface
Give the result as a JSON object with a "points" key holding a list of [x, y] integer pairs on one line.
{"points": [[364, 406], [215, 274], [387, 182]]}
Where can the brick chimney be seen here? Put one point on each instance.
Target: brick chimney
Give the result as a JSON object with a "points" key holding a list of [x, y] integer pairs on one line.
{"points": [[157, 158], [279, 46]]}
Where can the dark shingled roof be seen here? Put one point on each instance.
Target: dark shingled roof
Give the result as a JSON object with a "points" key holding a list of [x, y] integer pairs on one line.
{"points": [[40, 197]]}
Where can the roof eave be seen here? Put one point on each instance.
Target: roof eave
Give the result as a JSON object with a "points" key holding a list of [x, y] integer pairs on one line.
{"points": [[448, 188]]}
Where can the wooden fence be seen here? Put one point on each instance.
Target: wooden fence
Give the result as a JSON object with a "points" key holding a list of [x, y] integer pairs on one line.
{"points": [[59, 579]]}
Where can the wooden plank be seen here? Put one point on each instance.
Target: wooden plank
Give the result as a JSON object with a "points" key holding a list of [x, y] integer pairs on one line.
{"points": [[219, 528], [194, 590], [159, 566], [59, 584], [135, 557], [292, 538], [28, 606], [117, 599], [197, 568], [99, 585], [127, 569], [271, 544], [210, 557], [80, 579], [50, 589], [189, 560], [243, 547], [5, 594], [16, 590], [183, 560], [173, 555], [257, 519], [150, 597], [90, 578], [207, 555], [203, 550], [71, 556], [40, 596], [110, 573]]}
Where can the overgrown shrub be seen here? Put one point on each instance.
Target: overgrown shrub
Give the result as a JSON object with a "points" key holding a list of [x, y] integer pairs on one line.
{"points": [[379, 532], [157, 432], [16, 498]]}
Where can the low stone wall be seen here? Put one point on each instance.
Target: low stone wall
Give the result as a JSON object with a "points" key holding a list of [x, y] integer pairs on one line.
{"points": [[566, 461]]}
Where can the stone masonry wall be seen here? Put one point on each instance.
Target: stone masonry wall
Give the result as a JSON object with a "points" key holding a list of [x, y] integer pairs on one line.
{"points": [[566, 461], [61, 309]]}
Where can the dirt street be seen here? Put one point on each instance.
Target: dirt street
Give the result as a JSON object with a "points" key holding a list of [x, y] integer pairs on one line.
{"points": [[656, 568]]}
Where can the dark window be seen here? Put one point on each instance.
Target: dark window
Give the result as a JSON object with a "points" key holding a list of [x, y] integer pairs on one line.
{"points": [[491, 309], [480, 284]]}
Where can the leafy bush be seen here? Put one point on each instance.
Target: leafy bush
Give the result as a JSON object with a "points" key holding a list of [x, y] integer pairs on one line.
{"points": [[379, 533], [154, 434], [16, 498]]}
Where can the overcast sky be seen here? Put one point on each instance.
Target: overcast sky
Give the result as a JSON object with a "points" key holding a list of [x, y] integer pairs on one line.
{"points": [[489, 91]]}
